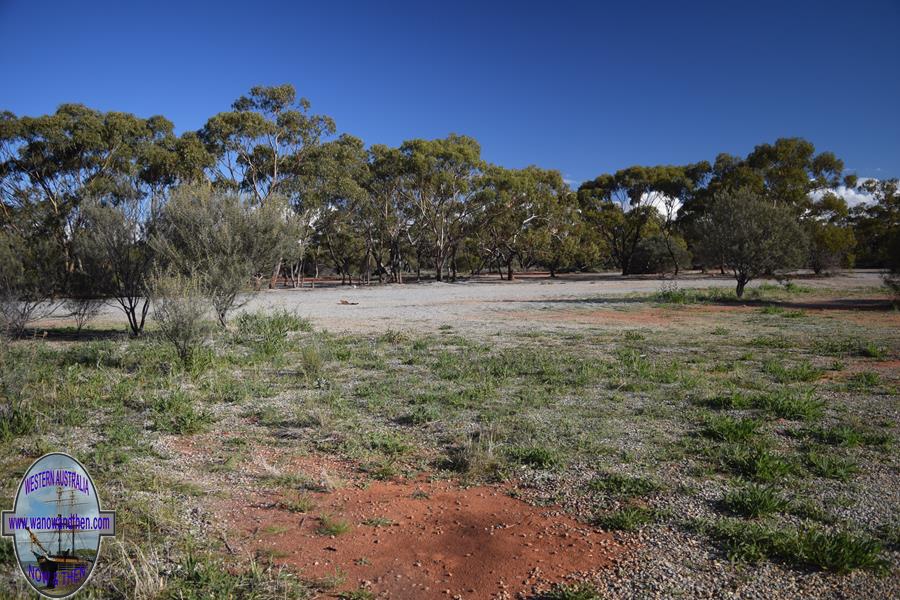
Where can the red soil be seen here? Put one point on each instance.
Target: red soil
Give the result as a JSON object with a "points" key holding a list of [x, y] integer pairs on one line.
{"points": [[443, 541]]}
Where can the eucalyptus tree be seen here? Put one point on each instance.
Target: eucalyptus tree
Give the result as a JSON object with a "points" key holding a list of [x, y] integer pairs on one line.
{"points": [[876, 227], [32, 266], [332, 185], [263, 142], [831, 239], [564, 239], [442, 185], [517, 203], [789, 170], [387, 211], [622, 204], [56, 161]]}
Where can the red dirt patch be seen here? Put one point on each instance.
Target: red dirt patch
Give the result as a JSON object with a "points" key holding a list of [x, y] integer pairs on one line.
{"points": [[443, 541]]}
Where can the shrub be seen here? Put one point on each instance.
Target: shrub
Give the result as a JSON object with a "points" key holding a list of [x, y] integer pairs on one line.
{"points": [[751, 236], [84, 310], [179, 310], [476, 456], [218, 234], [310, 362]]}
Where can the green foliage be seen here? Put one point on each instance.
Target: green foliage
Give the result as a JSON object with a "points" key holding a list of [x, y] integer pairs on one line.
{"points": [[629, 518], [787, 403], [329, 525], [802, 371], [751, 235], [179, 311], [299, 503], [222, 238], [202, 577], [539, 457], [730, 429], [849, 436], [175, 412], [850, 347], [830, 466], [268, 333], [839, 551], [7, 553], [360, 594], [864, 380], [578, 591], [754, 500], [755, 461]]}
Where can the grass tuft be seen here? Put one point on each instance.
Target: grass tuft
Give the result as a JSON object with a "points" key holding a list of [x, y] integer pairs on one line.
{"points": [[630, 518], [624, 486], [329, 525], [754, 500], [730, 429]]}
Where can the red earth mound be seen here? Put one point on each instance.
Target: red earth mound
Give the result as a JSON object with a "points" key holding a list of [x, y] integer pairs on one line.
{"points": [[423, 540]]}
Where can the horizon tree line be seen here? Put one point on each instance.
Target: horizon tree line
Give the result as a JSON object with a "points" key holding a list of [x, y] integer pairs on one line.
{"points": [[95, 206]]}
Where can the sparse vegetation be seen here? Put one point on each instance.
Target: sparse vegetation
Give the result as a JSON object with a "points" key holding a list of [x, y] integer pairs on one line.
{"points": [[634, 422]]}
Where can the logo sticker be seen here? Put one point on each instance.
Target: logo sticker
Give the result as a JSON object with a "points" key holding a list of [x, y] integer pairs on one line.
{"points": [[57, 524]]}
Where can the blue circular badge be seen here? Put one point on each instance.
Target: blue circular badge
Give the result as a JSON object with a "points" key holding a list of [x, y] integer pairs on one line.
{"points": [[57, 524]]}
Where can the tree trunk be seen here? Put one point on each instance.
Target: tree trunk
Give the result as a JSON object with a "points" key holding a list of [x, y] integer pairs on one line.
{"points": [[453, 265], [274, 280], [741, 283], [509, 270]]}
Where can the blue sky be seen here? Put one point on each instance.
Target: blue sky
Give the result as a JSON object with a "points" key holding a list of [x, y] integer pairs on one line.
{"points": [[585, 88]]}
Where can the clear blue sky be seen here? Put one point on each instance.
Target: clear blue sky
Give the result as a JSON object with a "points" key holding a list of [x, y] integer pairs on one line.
{"points": [[584, 87]]}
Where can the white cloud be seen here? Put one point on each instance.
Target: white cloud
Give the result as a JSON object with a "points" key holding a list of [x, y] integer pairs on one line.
{"points": [[852, 196]]}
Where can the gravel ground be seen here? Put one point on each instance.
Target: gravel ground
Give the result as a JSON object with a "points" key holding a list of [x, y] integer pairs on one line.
{"points": [[471, 305]]}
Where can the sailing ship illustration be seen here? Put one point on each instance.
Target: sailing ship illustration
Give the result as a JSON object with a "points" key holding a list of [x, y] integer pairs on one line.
{"points": [[63, 568]]}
